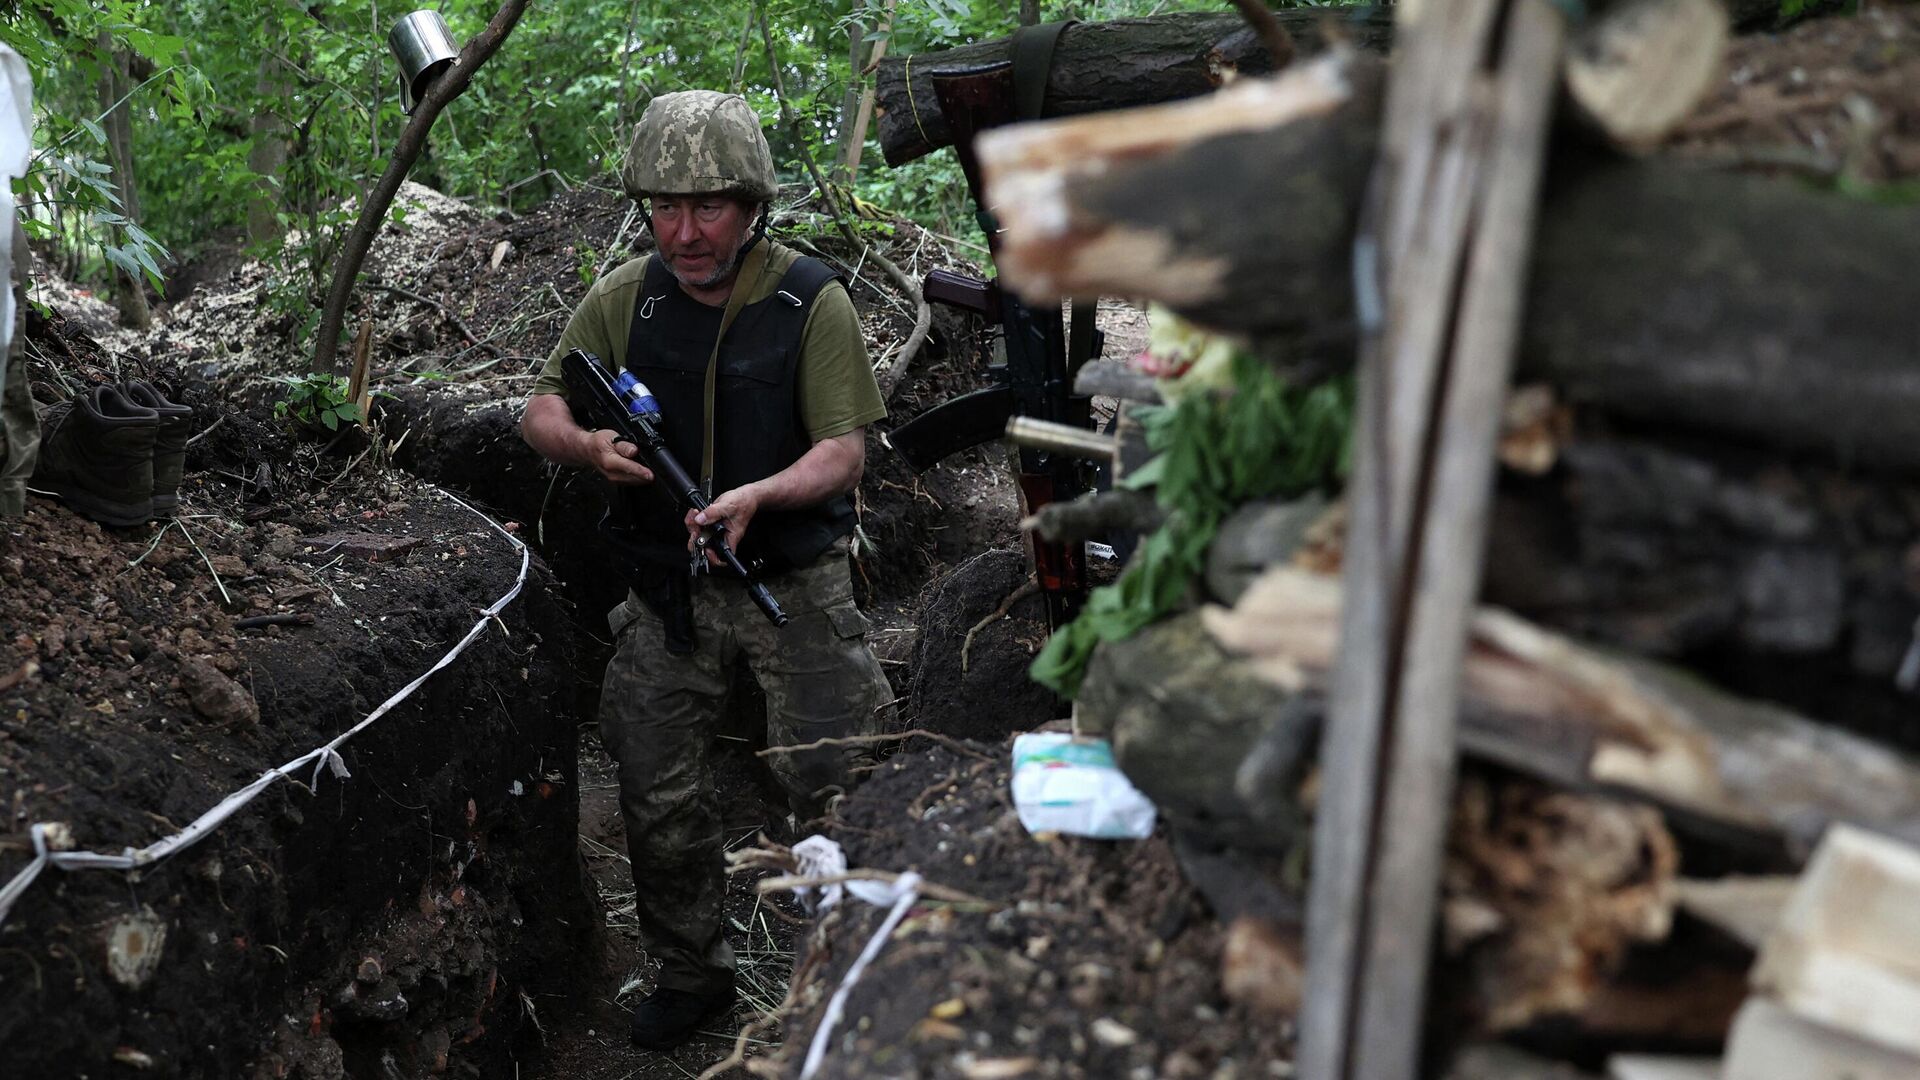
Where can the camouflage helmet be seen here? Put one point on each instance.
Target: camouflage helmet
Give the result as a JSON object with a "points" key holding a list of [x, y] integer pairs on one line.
{"points": [[699, 142]]}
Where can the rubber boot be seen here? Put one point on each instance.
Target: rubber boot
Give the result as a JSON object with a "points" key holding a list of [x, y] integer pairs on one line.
{"points": [[169, 446], [96, 453]]}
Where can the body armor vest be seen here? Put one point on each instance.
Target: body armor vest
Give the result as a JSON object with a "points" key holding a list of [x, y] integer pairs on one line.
{"points": [[757, 425]]}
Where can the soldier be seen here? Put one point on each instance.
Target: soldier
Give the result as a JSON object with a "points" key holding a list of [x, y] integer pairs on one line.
{"points": [[756, 358]]}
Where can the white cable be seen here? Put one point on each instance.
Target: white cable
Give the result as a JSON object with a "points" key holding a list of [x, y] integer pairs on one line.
{"points": [[327, 756], [906, 889]]}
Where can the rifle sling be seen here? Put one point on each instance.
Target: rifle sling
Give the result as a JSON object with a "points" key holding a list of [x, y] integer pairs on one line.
{"points": [[1032, 49], [747, 280]]}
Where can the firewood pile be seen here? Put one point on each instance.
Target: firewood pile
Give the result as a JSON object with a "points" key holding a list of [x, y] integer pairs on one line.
{"points": [[1680, 623]]}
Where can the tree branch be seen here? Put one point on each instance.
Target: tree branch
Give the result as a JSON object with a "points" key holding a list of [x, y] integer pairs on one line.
{"points": [[1279, 43], [923, 316], [413, 139]]}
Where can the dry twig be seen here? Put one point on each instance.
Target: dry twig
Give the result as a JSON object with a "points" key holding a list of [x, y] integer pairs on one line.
{"points": [[1027, 588], [445, 313], [865, 740], [929, 889]]}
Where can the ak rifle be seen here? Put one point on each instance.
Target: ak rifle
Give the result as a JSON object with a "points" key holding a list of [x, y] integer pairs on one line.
{"points": [[598, 401], [1035, 379]]}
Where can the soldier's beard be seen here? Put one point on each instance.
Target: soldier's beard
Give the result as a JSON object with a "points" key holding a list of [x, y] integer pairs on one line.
{"points": [[722, 270]]}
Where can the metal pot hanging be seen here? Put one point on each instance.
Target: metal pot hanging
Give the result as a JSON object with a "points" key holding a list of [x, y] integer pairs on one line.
{"points": [[424, 47]]}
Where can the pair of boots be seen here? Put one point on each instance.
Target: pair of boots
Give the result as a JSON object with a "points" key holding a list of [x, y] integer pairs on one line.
{"points": [[115, 453]]}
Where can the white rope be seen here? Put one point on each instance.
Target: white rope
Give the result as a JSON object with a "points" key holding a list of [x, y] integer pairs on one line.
{"points": [[327, 756], [903, 892]]}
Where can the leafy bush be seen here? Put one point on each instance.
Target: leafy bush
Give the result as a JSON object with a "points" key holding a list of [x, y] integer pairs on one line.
{"points": [[316, 401]]}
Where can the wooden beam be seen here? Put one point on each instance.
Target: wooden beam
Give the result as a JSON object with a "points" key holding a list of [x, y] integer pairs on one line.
{"points": [[1451, 222]]}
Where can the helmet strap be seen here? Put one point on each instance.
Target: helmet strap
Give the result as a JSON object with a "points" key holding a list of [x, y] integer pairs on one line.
{"points": [[755, 234]]}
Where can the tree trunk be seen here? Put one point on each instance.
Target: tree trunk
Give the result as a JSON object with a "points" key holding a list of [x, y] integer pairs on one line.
{"points": [[843, 152], [1113, 65], [129, 292], [268, 155]]}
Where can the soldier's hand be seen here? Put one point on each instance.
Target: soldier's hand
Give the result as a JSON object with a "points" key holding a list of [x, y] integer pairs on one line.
{"points": [[733, 508], [616, 461]]}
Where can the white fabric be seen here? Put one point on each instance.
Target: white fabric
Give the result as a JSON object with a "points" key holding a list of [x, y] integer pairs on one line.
{"points": [[819, 857], [902, 893], [320, 757], [16, 149]]}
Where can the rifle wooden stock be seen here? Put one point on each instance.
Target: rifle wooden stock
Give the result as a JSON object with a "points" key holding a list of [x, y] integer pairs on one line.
{"points": [[973, 294]]}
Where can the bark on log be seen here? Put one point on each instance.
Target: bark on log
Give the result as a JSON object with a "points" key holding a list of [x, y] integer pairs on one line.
{"points": [[1237, 211], [1738, 305], [1552, 708], [1781, 578], [1112, 65]]}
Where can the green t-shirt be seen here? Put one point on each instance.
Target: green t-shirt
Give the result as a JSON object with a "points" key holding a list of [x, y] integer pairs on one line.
{"points": [[837, 390]]}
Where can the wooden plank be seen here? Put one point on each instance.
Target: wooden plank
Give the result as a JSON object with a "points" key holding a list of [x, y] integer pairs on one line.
{"points": [[1454, 192], [1771, 1043]]}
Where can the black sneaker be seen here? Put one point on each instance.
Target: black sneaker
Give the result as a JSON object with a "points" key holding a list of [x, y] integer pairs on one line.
{"points": [[667, 1017], [169, 445], [96, 453]]}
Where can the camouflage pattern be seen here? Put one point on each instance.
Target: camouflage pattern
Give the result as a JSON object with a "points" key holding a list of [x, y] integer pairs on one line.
{"points": [[19, 427], [699, 142], [658, 717]]}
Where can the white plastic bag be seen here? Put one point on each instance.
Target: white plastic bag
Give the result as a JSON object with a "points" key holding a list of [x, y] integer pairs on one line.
{"points": [[1070, 785]]}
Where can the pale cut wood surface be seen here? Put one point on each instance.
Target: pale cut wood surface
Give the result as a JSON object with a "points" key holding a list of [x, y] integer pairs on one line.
{"points": [[1771, 1043]]}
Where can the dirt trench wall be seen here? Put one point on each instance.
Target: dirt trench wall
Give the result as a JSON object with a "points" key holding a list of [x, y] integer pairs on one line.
{"points": [[381, 924]]}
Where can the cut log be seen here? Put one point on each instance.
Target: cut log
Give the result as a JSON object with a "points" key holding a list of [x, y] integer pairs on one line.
{"points": [[1165, 202], [1738, 305], [1780, 577], [1132, 62], [1638, 69], [1113, 65], [1550, 707]]}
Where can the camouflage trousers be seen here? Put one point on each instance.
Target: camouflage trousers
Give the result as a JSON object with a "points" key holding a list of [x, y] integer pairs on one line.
{"points": [[659, 714], [19, 431]]}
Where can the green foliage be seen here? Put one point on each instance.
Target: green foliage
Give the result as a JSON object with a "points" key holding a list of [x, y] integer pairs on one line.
{"points": [[1215, 453], [218, 86], [316, 401]]}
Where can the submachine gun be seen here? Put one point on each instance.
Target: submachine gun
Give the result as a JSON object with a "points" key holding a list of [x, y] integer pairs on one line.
{"points": [[623, 405], [1036, 379]]}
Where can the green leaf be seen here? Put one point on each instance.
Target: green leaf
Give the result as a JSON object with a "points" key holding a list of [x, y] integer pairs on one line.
{"points": [[331, 419], [99, 133]]}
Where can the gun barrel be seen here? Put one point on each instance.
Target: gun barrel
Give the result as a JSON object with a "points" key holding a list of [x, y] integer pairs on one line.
{"points": [[1061, 438]]}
